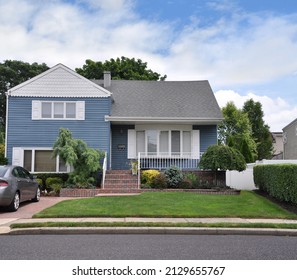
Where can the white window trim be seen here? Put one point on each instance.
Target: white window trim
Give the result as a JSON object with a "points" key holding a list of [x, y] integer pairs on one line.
{"points": [[37, 110], [195, 141], [182, 153], [18, 158]]}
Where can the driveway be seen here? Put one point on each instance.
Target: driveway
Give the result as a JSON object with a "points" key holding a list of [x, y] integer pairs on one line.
{"points": [[28, 209]]}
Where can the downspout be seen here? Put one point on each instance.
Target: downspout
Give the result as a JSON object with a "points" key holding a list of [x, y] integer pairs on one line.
{"points": [[6, 124]]}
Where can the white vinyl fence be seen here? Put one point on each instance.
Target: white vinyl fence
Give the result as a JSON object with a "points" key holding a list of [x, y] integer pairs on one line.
{"points": [[244, 180]]}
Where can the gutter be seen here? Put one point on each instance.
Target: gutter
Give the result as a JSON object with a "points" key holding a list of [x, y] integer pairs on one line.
{"points": [[6, 125], [164, 120]]}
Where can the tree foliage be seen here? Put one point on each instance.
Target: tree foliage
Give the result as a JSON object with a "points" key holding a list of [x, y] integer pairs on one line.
{"points": [[121, 69], [12, 73], [75, 152], [222, 157], [236, 131], [3, 159], [260, 131]]}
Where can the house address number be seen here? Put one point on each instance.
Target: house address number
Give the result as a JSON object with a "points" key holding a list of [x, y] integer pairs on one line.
{"points": [[121, 147]]}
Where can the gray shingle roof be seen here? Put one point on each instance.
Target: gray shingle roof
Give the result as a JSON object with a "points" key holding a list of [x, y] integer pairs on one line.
{"points": [[163, 99]]}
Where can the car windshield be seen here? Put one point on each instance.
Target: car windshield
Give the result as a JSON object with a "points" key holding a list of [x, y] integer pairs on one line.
{"points": [[3, 170]]}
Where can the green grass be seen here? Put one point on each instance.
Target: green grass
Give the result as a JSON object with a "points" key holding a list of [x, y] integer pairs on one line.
{"points": [[162, 204], [153, 224]]}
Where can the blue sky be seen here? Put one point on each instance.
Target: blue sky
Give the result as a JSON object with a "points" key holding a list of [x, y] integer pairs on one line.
{"points": [[245, 48]]}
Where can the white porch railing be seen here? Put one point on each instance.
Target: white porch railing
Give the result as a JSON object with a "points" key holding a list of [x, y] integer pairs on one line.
{"points": [[104, 168], [164, 160]]}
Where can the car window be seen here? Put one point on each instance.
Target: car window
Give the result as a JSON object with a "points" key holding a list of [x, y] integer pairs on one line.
{"points": [[3, 170], [22, 173], [26, 173], [15, 172]]}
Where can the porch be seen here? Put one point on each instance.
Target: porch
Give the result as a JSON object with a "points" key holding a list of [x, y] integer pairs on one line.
{"points": [[162, 161], [145, 161]]}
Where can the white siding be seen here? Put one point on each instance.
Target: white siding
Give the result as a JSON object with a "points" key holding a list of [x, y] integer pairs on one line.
{"points": [[131, 143], [196, 144]]}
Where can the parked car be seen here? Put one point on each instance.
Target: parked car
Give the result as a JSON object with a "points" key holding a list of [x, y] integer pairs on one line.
{"points": [[17, 185]]}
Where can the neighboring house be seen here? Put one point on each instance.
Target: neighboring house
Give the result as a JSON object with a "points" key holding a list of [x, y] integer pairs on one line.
{"points": [[278, 145], [158, 122], [290, 140]]}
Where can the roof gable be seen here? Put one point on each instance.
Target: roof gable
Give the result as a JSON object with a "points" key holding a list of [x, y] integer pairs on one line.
{"points": [[59, 81]]}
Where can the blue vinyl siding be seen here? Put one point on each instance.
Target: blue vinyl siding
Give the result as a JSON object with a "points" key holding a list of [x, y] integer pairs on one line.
{"points": [[119, 154], [25, 132], [208, 136]]}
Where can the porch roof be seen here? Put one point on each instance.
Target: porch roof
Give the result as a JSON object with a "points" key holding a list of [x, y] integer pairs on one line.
{"points": [[168, 101]]}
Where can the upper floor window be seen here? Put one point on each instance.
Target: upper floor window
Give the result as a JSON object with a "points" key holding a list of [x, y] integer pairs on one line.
{"points": [[71, 110], [58, 110]]}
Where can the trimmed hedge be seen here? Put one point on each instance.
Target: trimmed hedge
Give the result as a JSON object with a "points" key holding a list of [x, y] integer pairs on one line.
{"points": [[278, 180], [44, 176]]}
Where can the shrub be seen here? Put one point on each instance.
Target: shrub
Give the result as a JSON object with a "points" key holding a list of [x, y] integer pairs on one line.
{"points": [[56, 188], [45, 176], [53, 180], [160, 181], [40, 182], [148, 176], [76, 153], [192, 180], [278, 180], [174, 177]]}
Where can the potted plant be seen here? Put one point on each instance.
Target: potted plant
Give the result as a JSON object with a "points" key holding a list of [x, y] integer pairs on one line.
{"points": [[134, 167]]}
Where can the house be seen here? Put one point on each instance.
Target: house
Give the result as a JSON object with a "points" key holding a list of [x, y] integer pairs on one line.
{"points": [[278, 145], [290, 140], [159, 123]]}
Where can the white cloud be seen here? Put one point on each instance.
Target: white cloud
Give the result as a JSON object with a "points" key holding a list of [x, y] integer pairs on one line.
{"points": [[239, 49], [277, 112]]}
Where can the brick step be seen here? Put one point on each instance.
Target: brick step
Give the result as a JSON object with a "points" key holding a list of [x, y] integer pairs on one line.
{"points": [[120, 176], [116, 180], [118, 172], [115, 188], [118, 191], [121, 181]]}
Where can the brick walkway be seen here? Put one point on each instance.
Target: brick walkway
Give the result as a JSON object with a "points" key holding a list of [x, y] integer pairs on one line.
{"points": [[28, 209]]}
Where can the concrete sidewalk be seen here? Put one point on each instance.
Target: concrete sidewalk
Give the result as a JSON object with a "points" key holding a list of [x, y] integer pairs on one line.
{"points": [[27, 210], [6, 222]]}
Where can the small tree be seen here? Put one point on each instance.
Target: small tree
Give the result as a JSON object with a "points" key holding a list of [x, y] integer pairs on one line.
{"points": [[222, 157], [3, 159], [75, 152]]}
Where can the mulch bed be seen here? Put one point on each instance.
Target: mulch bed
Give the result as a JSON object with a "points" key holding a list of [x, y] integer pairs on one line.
{"points": [[286, 205]]}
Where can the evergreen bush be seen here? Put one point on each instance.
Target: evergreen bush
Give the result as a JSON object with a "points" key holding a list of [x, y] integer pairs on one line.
{"points": [[174, 177], [278, 180]]}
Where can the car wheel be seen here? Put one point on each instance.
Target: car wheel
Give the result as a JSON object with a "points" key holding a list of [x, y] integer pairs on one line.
{"points": [[15, 204], [37, 195]]}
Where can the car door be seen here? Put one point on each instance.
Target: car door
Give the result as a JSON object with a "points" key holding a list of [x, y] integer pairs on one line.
{"points": [[21, 183], [32, 184]]}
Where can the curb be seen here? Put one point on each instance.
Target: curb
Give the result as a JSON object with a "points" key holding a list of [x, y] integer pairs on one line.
{"points": [[151, 230]]}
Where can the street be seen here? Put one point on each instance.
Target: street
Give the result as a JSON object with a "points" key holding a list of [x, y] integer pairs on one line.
{"points": [[147, 247]]}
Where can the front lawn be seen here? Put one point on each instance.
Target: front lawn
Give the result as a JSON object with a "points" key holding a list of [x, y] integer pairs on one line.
{"points": [[162, 204]]}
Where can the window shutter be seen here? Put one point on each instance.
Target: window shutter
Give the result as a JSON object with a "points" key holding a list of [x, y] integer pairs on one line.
{"points": [[36, 110], [17, 156], [80, 110], [131, 143], [196, 144]]}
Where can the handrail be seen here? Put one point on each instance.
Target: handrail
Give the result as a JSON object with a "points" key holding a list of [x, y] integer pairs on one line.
{"points": [[104, 168], [138, 171], [165, 160]]}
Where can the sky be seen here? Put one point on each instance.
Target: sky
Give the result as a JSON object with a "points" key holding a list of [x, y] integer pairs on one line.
{"points": [[245, 48]]}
